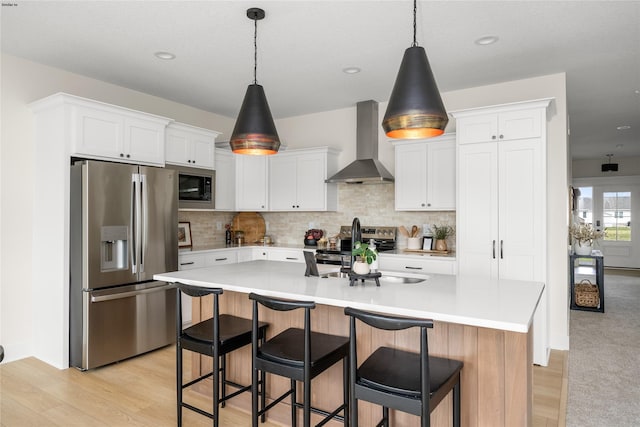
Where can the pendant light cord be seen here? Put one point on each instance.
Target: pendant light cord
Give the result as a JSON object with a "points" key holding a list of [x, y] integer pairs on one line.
{"points": [[415, 11], [255, 50]]}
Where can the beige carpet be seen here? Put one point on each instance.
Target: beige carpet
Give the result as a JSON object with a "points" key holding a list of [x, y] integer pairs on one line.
{"points": [[604, 358]]}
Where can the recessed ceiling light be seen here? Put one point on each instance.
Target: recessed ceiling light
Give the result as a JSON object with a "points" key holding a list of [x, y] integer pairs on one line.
{"points": [[351, 70], [486, 40], [625, 127], [619, 146], [637, 91], [165, 55]]}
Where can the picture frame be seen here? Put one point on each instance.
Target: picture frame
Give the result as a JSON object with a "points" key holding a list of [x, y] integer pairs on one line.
{"points": [[184, 234], [427, 243]]}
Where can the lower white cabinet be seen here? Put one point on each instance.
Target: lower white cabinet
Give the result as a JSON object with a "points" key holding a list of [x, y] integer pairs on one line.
{"points": [[221, 257], [284, 254], [417, 264]]}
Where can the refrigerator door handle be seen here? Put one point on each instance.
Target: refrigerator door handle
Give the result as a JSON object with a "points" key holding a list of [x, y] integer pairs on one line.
{"points": [[144, 223], [134, 223], [121, 295]]}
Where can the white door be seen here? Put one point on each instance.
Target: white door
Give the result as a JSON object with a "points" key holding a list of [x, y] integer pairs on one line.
{"points": [[611, 204]]}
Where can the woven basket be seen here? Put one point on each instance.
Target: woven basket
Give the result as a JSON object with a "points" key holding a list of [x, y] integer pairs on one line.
{"points": [[587, 294]]}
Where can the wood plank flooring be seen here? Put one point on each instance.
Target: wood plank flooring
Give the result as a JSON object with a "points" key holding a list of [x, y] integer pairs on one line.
{"points": [[141, 392]]}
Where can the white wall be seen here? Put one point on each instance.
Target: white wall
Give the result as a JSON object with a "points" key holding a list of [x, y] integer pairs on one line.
{"points": [[24, 82], [23, 314], [587, 168]]}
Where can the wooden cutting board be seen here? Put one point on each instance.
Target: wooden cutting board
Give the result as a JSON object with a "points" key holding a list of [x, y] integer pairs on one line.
{"points": [[252, 223]]}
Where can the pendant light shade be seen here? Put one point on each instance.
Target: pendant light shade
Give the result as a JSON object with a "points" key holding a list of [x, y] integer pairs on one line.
{"points": [[255, 132], [415, 109]]}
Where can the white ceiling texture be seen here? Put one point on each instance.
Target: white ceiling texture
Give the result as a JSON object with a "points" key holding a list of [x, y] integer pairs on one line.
{"points": [[303, 46]]}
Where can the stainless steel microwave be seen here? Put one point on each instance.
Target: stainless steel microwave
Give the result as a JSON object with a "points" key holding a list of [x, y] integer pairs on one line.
{"points": [[196, 187]]}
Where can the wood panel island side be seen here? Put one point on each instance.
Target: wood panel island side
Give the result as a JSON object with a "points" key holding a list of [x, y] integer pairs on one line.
{"points": [[485, 323]]}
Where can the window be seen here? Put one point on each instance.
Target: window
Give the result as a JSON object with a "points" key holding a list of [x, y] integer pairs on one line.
{"points": [[616, 209], [585, 204]]}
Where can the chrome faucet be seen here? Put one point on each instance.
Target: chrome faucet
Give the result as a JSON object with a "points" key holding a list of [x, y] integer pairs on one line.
{"points": [[356, 236]]}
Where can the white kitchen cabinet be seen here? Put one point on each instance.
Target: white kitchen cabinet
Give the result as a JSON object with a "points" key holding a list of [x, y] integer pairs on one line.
{"points": [[252, 182], [501, 215], [190, 146], [225, 167], [425, 174], [417, 264], [520, 122], [285, 254], [221, 257], [190, 261], [107, 132], [297, 180]]}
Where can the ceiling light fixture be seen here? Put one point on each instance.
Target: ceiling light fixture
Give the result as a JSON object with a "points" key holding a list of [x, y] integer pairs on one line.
{"points": [[415, 109], [623, 127], [486, 40], [351, 70], [609, 167], [255, 132], [167, 56]]}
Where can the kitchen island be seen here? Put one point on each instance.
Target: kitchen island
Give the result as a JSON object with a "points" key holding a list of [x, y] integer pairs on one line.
{"points": [[484, 323]]}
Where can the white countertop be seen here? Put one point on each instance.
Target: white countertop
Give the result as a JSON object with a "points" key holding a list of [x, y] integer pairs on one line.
{"points": [[498, 304]]}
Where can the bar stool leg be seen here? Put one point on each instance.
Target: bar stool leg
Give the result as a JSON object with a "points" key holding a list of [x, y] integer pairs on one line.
{"points": [[456, 405], [294, 400], [223, 383], [179, 384], [254, 397], [345, 390], [385, 416], [307, 402]]}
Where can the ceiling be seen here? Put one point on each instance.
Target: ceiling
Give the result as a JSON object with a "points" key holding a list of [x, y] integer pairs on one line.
{"points": [[303, 46]]}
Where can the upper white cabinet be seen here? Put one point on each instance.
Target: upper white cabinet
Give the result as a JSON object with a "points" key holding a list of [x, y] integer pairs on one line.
{"points": [[501, 216], [252, 182], [107, 132], [495, 124], [225, 166], [296, 180], [425, 174], [190, 146]]}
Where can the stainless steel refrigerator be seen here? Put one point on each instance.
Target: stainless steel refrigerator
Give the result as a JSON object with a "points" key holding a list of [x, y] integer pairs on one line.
{"points": [[123, 230]]}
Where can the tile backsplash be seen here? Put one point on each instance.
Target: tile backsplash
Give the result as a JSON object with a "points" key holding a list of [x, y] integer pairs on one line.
{"points": [[372, 204]]}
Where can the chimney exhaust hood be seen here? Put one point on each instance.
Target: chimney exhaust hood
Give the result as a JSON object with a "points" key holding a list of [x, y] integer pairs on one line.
{"points": [[366, 169]]}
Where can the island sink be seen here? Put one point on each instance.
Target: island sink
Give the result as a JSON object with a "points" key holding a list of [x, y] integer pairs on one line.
{"points": [[385, 278]]}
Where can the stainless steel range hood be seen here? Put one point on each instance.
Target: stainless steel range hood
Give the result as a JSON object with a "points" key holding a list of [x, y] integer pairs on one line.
{"points": [[366, 169]]}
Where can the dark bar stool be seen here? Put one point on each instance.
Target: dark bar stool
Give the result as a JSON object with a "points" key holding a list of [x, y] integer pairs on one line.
{"points": [[298, 354], [409, 382], [214, 337]]}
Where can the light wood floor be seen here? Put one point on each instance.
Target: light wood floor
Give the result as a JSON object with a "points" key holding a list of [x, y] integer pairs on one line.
{"points": [[141, 392]]}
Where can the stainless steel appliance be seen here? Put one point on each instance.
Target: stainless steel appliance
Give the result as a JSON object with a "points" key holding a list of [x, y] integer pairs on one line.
{"points": [[123, 231], [385, 238], [196, 187]]}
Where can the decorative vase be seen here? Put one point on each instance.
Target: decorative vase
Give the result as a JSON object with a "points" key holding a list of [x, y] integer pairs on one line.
{"points": [[360, 267], [441, 245], [582, 248]]}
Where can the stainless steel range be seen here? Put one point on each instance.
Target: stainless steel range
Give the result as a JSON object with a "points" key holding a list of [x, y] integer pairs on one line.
{"points": [[385, 238]]}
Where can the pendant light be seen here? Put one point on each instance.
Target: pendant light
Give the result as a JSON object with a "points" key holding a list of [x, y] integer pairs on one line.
{"points": [[254, 132], [415, 109]]}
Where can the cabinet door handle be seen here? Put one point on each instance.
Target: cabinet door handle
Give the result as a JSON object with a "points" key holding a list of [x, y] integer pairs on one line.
{"points": [[408, 267], [221, 259], [501, 244], [187, 263], [493, 250], [493, 137], [292, 258], [501, 136]]}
